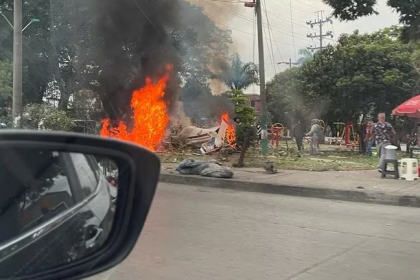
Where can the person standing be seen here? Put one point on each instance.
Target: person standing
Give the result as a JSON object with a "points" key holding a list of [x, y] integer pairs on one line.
{"points": [[315, 135], [298, 133], [384, 134], [369, 138], [328, 132]]}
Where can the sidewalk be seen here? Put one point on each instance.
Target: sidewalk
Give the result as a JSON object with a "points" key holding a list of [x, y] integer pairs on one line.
{"points": [[358, 186]]}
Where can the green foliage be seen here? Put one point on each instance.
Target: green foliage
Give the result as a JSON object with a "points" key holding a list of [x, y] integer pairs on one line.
{"points": [[243, 111], [409, 11], [352, 9], [363, 72], [41, 116], [246, 116], [6, 88], [286, 99], [6, 82], [306, 55], [238, 75]]}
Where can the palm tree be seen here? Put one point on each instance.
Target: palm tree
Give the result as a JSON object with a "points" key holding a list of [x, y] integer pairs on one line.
{"points": [[306, 55], [239, 75]]}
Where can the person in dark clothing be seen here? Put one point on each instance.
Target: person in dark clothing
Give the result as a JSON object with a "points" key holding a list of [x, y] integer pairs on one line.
{"points": [[298, 133]]}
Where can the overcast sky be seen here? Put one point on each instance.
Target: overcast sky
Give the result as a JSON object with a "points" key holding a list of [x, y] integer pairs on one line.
{"points": [[286, 38]]}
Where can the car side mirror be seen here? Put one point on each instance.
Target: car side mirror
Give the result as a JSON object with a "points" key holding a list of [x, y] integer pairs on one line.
{"points": [[60, 216]]}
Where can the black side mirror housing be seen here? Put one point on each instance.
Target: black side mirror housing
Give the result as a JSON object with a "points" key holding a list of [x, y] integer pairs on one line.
{"points": [[138, 174]]}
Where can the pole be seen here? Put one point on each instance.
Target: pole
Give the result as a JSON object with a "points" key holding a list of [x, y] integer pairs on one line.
{"points": [[320, 37], [290, 63], [263, 97], [17, 64], [319, 21]]}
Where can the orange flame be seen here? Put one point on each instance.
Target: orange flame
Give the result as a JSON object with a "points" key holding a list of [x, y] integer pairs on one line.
{"points": [[230, 135], [149, 116]]}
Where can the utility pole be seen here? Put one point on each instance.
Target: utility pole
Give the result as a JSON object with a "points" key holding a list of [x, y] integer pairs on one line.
{"points": [[17, 60], [17, 64], [263, 98], [290, 63], [320, 22]]}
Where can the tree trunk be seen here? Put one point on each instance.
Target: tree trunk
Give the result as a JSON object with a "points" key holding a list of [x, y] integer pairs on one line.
{"points": [[243, 149], [64, 101]]}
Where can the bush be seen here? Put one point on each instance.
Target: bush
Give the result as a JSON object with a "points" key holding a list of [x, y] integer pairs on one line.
{"points": [[41, 116]]}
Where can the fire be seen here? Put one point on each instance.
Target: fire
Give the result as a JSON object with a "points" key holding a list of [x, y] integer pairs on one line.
{"points": [[230, 135], [149, 116]]}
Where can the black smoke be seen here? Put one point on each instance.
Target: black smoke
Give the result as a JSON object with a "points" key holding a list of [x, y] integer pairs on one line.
{"points": [[132, 40]]}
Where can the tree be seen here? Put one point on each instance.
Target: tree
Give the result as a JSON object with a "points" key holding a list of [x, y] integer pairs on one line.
{"points": [[352, 9], [85, 105], [109, 47], [43, 117], [362, 74], [245, 114], [305, 54], [238, 75], [287, 99], [6, 87]]}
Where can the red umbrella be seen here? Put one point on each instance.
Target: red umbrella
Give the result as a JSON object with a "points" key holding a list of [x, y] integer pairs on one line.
{"points": [[410, 108]]}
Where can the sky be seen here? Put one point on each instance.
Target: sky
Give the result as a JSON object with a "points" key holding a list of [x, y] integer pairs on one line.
{"points": [[285, 26]]}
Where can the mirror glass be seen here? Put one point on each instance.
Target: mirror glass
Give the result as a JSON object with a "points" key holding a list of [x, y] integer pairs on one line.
{"points": [[55, 208]]}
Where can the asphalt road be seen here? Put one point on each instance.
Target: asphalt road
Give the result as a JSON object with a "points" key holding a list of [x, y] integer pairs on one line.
{"points": [[201, 233]]}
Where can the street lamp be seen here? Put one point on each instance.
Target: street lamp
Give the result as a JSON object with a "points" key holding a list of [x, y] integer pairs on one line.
{"points": [[1, 13], [11, 25], [32, 21]]}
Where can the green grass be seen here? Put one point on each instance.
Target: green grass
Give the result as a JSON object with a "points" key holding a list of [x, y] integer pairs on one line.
{"points": [[331, 158]]}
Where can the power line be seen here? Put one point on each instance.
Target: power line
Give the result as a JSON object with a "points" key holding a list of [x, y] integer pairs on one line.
{"points": [[275, 42], [286, 19], [269, 34], [320, 21], [250, 20], [290, 63], [249, 33], [296, 8], [310, 6]]}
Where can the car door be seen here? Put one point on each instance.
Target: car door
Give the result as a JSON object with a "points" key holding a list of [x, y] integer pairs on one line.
{"points": [[51, 222]]}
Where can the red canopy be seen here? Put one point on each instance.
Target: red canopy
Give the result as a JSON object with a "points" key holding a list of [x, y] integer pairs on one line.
{"points": [[410, 108]]}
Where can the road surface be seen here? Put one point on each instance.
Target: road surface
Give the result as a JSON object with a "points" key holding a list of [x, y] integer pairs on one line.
{"points": [[202, 233]]}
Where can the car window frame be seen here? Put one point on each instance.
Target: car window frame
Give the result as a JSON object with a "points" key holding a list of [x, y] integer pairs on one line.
{"points": [[80, 196], [95, 166], [75, 186]]}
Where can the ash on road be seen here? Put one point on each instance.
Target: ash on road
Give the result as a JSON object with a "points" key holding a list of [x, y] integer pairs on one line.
{"points": [[204, 233]]}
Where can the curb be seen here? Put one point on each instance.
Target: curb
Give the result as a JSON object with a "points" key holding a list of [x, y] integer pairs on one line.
{"points": [[293, 190]]}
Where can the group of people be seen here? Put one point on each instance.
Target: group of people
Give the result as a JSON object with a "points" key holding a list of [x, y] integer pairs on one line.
{"points": [[380, 134]]}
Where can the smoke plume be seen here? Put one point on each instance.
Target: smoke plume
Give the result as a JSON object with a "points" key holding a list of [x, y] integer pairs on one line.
{"points": [[133, 40], [221, 13]]}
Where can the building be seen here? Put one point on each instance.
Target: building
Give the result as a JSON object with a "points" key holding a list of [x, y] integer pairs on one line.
{"points": [[254, 102]]}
